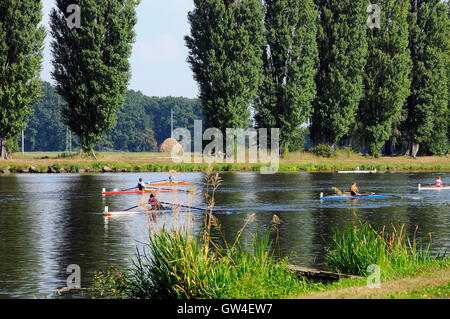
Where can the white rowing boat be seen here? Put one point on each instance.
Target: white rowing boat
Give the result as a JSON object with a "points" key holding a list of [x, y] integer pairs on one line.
{"points": [[357, 172], [422, 188], [130, 212]]}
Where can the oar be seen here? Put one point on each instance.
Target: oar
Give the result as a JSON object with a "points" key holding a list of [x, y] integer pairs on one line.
{"points": [[163, 180], [131, 208], [178, 190], [128, 189], [338, 191], [200, 208]]}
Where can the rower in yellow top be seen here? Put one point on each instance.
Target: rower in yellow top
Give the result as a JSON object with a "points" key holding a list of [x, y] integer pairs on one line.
{"points": [[354, 189]]}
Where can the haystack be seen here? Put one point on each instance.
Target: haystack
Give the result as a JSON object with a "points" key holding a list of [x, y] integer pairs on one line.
{"points": [[170, 145]]}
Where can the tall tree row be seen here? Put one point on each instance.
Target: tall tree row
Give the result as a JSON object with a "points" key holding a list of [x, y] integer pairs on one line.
{"points": [[342, 43], [427, 116], [225, 48], [91, 66], [289, 59], [21, 43], [386, 76]]}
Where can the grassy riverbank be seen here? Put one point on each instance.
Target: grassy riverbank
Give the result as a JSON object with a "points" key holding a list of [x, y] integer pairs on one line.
{"points": [[49, 162], [428, 283]]}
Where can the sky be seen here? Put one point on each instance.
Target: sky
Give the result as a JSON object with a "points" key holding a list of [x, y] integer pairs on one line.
{"points": [[158, 61]]}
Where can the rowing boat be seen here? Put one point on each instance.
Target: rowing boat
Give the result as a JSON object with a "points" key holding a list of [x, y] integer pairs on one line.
{"points": [[432, 188], [104, 192], [170, 184], [357, 172], [352, 196], [130, 212]]}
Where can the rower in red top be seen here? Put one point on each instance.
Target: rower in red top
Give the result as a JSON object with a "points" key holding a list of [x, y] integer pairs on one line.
{"points": [[439, 182], [153, 202]]}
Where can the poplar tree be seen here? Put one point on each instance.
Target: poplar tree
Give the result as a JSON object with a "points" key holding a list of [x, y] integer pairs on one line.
{"points": [[386, 78], [21, 44], [90, 60], [289, 67], [427, 120], [342, 43], [225, 49]]}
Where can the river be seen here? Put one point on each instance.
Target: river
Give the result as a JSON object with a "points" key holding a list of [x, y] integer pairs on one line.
{"points": [[48, 222]]}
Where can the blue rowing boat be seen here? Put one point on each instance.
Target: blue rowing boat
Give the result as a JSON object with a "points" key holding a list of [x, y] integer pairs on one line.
{"points": [[352, 197]]}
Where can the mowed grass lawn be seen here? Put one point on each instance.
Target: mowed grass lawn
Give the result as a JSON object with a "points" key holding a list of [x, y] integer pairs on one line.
{"points": [[161, 162], [431, 283]]}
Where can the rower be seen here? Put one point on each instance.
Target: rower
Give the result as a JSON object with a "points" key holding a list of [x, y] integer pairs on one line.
{"points": [[171, 176], [153, 202], [141, 185], [439, 182], [354, 190]]}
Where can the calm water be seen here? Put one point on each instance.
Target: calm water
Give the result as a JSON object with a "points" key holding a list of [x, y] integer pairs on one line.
{"points": [[48, 222]]}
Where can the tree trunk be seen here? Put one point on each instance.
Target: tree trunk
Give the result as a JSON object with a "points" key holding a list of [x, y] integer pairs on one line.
{"points": [[84, 151], [387, 148], [3, 152], [413, 148]]}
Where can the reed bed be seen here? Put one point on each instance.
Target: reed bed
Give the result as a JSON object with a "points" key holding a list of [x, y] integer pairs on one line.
{"points": [[178, 263], [354, 249]]}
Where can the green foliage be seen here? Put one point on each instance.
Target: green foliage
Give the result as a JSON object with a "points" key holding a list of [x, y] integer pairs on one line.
{"points": [[342, 43], [427, 116], [176, 265], [21, 43], [322, 150], [387, 73], [91, 65], [142, 123], [45, 131], [353, 250], [225, 49], [289, 60]]}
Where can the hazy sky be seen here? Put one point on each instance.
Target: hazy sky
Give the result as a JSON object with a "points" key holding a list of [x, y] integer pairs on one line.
{"points": [[158, 62]]}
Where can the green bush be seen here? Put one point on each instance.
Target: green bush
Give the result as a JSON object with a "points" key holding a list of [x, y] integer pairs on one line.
{"points": [[322, 150]]}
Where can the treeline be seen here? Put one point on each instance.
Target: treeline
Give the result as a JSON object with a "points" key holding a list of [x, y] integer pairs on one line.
{"points": [[143, 123], [374, 76]]}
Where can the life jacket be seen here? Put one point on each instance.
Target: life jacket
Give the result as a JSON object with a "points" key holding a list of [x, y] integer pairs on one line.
{"points": [[438, 183], [353, 189]]}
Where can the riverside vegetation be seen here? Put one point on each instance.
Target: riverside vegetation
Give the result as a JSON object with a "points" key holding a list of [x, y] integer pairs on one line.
{"points": [[342, 159], [176, 263]]}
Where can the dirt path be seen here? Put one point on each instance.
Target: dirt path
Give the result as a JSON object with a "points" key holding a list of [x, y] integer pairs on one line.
{"points": [[394, 287]]}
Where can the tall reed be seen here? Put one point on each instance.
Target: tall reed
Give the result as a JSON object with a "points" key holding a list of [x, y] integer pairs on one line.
{"points": [[355, 248], [175, 263]]}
